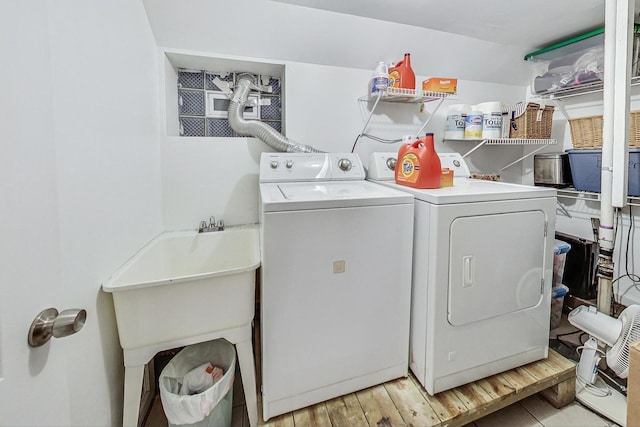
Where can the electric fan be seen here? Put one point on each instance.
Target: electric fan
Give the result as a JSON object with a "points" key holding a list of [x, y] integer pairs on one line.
{"points": [[618, 334]]}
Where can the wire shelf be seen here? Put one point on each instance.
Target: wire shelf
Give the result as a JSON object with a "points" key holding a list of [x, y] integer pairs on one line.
{"points": [[411, 96], [509, 141], [572, 193], [583, 89]]}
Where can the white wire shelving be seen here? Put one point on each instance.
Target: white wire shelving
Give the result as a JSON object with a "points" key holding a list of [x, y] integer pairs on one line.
{"points": [[508, 141], [589, 196], [583, 89]]}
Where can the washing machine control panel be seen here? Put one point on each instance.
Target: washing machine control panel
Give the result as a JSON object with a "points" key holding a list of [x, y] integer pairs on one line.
{"points": [[279, 167], [455, 162]]}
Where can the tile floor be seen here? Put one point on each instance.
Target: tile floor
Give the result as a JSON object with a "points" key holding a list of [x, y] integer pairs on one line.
{"points": [[535, 411]]}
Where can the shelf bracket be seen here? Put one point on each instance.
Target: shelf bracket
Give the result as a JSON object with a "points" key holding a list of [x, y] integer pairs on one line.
{"points": [[563, 209], [430, 117], [560, 106], [484, 141], [523, 157], [373, 109]]}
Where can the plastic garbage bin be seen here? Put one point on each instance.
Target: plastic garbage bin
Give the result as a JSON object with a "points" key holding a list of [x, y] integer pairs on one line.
{"points": [[208, 408]]}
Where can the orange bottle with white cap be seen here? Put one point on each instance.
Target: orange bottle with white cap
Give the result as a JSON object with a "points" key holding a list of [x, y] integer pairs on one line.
{"points": [[401, 75], [418, 164]]}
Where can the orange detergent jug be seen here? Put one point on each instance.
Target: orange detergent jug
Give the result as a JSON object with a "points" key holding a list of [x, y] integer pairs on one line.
{"points": [[418, 164], [407, 142], [401, 75]]}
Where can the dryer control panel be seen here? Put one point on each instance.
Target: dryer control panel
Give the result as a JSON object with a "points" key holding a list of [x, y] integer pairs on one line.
{"points": [[283, 167]]}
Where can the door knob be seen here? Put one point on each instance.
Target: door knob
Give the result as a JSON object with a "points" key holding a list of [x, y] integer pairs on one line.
{"points": [[50, 323]]}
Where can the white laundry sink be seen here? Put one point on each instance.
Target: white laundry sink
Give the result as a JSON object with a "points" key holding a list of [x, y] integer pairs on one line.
{"points": [[186, 284]]}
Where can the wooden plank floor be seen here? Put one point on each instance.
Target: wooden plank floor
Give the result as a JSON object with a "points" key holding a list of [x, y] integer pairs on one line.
{"points": [[405, 402]]}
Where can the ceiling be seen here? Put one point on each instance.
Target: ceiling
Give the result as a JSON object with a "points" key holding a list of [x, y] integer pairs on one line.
{"points": [[531, 24]]}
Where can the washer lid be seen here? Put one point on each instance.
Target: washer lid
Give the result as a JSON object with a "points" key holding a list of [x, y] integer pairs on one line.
{"points": [[328, 194], [467, 190]]}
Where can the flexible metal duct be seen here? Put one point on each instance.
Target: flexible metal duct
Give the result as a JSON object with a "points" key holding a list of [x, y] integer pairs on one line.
{"points": [[255, 128]]}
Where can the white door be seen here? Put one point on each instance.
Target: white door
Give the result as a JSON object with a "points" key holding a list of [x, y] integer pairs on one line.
{"points": [[496, 265], [33, 382]]}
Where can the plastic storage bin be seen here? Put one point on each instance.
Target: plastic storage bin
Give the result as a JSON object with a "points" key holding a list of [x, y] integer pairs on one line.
{"points": [[557, 301], [560, 249], [586, 165], [570, 63], [575, 62], [209, 408]]}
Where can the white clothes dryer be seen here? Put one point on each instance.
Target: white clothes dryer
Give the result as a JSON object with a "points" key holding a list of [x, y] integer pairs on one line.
{"points": [[335, 279], [482, 275]]}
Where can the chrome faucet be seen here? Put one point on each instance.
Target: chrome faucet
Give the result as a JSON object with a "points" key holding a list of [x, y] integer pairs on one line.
{"points": [[211, 226]]}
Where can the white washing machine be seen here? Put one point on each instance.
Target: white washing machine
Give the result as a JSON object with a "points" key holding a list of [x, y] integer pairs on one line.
{"points": [[482, 267], [335, 279]]}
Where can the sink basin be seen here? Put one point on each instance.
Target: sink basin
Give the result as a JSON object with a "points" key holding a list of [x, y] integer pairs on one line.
{"points": [[186, 284]]}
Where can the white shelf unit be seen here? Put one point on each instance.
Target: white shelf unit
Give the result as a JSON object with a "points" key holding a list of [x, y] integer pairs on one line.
{"points": [[405, 96], [507, 141], [584, 89], [572, 193], [557, 97]]}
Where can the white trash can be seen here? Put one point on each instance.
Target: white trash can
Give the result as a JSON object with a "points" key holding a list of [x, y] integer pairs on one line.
{"points": [[209, 408]]}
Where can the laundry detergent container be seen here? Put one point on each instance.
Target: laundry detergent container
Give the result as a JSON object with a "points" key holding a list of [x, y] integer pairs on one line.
{"points": [[190, 397], [586, 165]]}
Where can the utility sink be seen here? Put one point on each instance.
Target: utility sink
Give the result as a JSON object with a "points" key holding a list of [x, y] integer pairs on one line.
{"points": [[186, 283], [183, 288]]}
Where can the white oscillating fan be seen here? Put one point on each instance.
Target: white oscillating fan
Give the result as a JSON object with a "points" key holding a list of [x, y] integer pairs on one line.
{"points": [[618, 334]]}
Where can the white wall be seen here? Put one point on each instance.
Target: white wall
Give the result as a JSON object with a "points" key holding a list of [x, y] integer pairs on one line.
{"points": [[205, 176], [81, 171], [328, 58], [266, 29]]}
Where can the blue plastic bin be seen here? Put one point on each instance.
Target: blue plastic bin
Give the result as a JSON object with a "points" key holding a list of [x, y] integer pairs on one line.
{"points": [[560, 249], [586, 166]]}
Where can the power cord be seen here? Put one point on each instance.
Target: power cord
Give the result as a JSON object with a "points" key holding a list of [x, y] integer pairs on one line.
{"points": [[594, 389], [629, 249], [375, 138]]}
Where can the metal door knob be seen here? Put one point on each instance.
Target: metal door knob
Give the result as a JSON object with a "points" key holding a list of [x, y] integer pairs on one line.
{"points": [[49, 323]]}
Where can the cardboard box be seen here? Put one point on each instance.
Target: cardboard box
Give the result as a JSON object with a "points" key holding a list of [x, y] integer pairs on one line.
{"points": [[633, 385], [440, 84], [446, 179]]}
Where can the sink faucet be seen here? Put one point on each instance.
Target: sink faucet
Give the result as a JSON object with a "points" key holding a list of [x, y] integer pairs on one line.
{"points": [[211, 226]]}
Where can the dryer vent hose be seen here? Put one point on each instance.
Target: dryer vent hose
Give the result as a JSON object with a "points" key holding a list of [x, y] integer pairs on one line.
{"points": [[255, 128]]}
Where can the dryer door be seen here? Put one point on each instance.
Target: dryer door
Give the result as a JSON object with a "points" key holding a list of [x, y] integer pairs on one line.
{"points": [[496, 265]]}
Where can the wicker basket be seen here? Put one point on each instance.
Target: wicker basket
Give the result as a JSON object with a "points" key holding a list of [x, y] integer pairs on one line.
{"points": [[531, 122], [586, 132]]}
